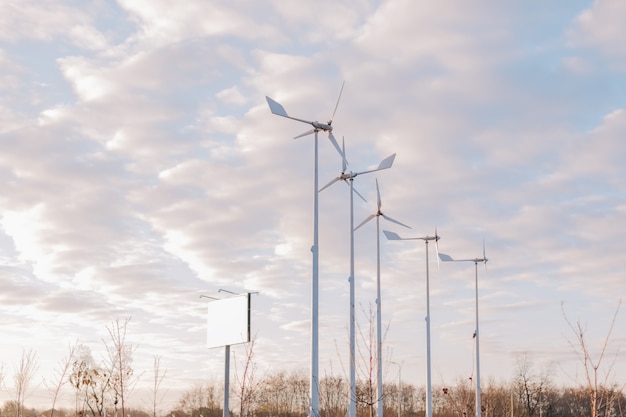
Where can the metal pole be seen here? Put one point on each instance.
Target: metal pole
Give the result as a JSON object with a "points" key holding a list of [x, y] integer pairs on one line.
{"points": [[226, 379], [314, 389], [379, 367], [352, 406], [429, 395], [478, 402]]}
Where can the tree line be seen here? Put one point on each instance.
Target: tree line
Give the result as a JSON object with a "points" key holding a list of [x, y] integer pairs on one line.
{"points": [[285, 394], [102, 388]]}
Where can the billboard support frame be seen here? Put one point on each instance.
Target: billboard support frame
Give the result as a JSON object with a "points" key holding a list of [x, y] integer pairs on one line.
{"points": [[230, 340]]}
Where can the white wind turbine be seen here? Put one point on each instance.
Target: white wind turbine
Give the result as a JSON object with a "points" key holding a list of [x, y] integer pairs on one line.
{"points": [[349, 176], [483, 260], [426, 239], [279, 110], [379, 364]]}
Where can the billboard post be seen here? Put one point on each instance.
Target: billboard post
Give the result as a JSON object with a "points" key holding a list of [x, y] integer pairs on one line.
{"points": [[226, 379], [228, 323]]}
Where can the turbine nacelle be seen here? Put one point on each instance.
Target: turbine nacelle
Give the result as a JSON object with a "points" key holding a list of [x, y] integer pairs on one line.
{"points": [[394, 236], [348, 177], [277, 109], [379, 212], [326, 127], [447, 258]]}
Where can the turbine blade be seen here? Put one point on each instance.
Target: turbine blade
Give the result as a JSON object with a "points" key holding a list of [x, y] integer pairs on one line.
{"points": [[437, 248], [332, 116], [307, 133], [332, 139], [384, 164], [394, 221], [444, 257], [387, 162], [334, 180], [370, 217], [344, 163], [391, 235], [359, 194], [347, 183], [276, 107], [484, 255], [378, 196]]}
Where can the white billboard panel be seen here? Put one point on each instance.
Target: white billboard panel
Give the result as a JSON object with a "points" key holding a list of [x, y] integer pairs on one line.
{"points": [[228, 321]]}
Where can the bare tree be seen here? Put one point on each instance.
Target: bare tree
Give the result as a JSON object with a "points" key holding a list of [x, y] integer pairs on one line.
{"points": [[247, 382], [497, 400], [300, 391], [595, 387], [61, 375], [366, 367], [333, 395], [157, 396], [1, 375], [192, 399], [458, 399], [120, 357], [202, 399], [90, 381], [283, 394], [22, 379], [531, 387]]}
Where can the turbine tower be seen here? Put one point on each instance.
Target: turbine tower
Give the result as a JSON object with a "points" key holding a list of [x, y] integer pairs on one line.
{"points": [[483, 260], [379, 343], [349, 176], [279, 110], [429, 388]]}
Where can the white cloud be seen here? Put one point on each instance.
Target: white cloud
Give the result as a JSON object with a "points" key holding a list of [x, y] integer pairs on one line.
{"points": [[53, 115], [161, 22], [26, 19], [88, 37], [578, 65], [26, 229], [594, 156], [90, 82], [10, 72], [601, 26], [232, 95]]}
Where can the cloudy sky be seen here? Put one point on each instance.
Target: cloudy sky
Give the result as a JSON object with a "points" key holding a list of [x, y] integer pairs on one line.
{"points": [[141, 167]]}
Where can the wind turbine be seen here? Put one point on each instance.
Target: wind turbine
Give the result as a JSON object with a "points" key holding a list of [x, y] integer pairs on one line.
{"points": [[379, 365], [483, 260], [426, 239], [349, 176], [279, 110]]}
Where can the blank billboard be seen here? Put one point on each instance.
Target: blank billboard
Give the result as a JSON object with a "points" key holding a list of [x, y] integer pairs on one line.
{"points": [[228, 321]]}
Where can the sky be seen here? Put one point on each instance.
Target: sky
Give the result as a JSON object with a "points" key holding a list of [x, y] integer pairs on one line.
{"points": [[141, 168]]}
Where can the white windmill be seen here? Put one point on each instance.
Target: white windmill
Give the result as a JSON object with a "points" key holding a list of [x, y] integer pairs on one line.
{"points": [[349, 176], [379, 364], [426, 239], [483, 260], [279, 110]]}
